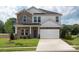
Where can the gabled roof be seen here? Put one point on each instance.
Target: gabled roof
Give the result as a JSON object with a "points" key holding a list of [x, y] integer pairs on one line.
{"points": [[43, 11], [31, 8], [23, 11], [50, 12]]}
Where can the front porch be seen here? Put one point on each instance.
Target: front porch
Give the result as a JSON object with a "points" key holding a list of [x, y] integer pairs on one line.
{"points": [[28, 32]]}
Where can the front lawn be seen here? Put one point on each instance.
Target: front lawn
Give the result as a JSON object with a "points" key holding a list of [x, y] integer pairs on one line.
{"points": [[18, 43], [74, 43]]}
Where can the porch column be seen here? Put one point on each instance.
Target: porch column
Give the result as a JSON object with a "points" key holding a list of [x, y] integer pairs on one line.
{"points": [[30, 31], [38, 32], [24, 32]]}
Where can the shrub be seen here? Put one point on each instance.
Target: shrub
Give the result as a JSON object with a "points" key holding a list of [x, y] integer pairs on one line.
{"points": [[77, 35], [24, 37], [12, 36], [68, 36], [29, 36]]}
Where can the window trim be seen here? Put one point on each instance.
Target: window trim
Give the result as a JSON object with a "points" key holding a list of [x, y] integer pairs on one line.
{"points": [[37, 20], [22, 32], [26, 31], [57, 18], [23, 17]]}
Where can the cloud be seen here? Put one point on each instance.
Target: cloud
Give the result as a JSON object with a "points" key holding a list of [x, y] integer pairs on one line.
{"points": [[6, 12], [70, 13]]}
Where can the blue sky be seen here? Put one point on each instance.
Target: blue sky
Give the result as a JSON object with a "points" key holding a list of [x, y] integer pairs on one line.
{"points": [[70, 13]]}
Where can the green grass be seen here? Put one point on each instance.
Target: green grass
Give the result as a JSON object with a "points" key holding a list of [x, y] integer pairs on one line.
{"points": [[19, 43], [17, 49], [74, 43], [6, 45]]}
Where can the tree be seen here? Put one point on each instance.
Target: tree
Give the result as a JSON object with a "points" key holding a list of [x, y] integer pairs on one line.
{"points": [[9, 25], [75, 29], [2, 27], [65, 29]]}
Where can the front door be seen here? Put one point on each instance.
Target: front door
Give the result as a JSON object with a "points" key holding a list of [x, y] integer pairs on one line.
{"points": [[35, 33]]}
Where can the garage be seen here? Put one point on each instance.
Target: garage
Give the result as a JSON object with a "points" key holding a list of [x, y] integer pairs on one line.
{"points": [[49, 33], [49, 30]]}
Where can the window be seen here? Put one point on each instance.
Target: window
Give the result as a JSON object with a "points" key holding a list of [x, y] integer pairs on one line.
{"points": [[57, 19], [39, 19], [35, 19], [22, 32], [24, 18], [26, 32]]}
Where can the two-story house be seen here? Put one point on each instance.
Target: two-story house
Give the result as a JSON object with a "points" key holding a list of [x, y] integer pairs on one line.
{"points": [[35, 22]]}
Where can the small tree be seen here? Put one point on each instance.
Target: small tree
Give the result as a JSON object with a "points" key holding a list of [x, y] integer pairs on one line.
{"points": [[9, 25]]}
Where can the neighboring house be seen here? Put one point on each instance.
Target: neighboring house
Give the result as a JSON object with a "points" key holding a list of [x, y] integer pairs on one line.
{"points": [[35, 23]]}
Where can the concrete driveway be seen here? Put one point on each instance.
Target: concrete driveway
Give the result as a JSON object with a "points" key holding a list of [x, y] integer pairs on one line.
{"points": [[53, 45]]}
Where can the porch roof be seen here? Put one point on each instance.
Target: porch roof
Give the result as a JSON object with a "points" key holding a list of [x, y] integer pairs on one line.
{"points": [[30, 25]]}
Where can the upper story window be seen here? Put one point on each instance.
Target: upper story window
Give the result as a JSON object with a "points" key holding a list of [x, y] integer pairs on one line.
{"points": [[57, 19], [35, 19], [24, 18], [39, 19]]}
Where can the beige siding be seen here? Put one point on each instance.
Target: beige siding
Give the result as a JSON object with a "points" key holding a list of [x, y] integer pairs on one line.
{"points": [[52, 18]]}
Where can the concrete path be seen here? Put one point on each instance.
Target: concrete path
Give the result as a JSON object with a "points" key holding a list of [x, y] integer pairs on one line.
{"points": [[53, 45]]}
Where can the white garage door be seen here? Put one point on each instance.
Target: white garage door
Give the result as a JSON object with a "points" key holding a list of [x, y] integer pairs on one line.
{"points": [[49, 33]]}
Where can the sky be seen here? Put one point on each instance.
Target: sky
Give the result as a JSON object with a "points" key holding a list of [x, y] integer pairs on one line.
{"points": [[70, 13]]}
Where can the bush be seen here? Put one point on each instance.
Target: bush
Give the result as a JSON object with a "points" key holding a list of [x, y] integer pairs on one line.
{"points": [[12, 36], [29, 36], [24, 37], [77, 35], [68, 36]]}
